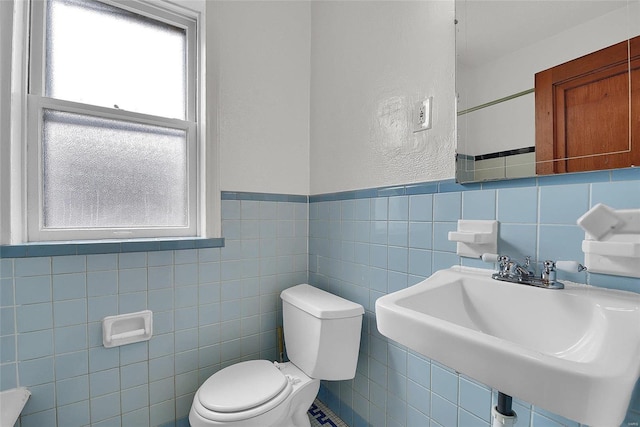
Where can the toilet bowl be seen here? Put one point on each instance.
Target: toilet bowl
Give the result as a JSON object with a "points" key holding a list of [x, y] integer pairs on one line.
{"points": [[322, 336], [271, 394]]}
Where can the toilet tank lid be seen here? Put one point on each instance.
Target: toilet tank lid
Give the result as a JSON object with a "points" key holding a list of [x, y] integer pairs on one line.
{"points": [[319, 303]]}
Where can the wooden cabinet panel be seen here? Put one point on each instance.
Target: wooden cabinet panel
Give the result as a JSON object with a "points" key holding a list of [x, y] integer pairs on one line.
{"points": [[585, 119]]}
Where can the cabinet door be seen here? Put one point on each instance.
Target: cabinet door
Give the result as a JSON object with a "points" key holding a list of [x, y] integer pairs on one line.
{"points": [[585, 118]]}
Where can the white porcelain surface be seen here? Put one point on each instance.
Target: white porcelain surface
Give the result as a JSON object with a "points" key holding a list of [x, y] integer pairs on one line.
{"points": [[575, 352], [11, 403]]}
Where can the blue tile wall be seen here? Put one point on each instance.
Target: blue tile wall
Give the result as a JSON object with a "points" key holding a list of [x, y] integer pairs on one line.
{"points": [[212, 307], [399, 238]]}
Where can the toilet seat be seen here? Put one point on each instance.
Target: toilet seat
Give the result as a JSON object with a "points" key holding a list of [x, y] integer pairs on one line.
{"points": [[241, 391]]}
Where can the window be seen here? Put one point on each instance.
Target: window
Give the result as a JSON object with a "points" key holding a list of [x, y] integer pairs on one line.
{"points": [[114, 124]]}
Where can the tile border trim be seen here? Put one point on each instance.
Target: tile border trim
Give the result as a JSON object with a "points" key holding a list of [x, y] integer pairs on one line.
{"points": [[42, 249], [450, 185]]}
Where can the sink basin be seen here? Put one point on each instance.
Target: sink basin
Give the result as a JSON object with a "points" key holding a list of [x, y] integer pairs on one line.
{"points": [[11, 403], [575, 352]]}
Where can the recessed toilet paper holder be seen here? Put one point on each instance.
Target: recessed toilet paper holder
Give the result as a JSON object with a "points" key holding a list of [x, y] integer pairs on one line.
{"points": [[127, 328]]}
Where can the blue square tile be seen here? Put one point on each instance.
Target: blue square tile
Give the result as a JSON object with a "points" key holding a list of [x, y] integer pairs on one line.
{"points": [[104, 382], [160, 277], [131, 303], [186, 274], [379, 208], [72, 364], [418, 397], [617, 195], [39, 419], [36, 371], [76, 414], [7, 321], [132, 260], [105, 407], [8, 349], [8, 376], [447, 206], [421, 207], [102, 262], [34, 317], [561, 242], [31, 290], [159, 258], [399, 208], [70, 312], [415, 417], [72, 390], [441, 240], [419, 370], [101, 283], [186, 340], [134, 353], [100, 307], [420, 235], [379, 232], [378, 256], [444, 382], [134, 375], [69, 286], [69, 264], [32, 267], [443, 412], [135, 398], [398, 259], [563, 204], [467, 419], [475, 399], [479, 204], [420, 262], [33, 345], [101, 358], [398, 233], [397, 281], [6, 268], [6, 292], [71, 338], [518, 205], [132, 280], [518, 241]]}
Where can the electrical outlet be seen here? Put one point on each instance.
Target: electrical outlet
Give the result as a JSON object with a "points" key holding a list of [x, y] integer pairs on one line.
{"points": [[422, 115]]}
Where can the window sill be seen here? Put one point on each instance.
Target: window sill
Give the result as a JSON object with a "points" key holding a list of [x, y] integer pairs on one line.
{"points": [[90, 247]]}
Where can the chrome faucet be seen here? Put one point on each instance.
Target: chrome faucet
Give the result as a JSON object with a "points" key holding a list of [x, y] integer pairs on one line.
{"points": [[513, 272]]}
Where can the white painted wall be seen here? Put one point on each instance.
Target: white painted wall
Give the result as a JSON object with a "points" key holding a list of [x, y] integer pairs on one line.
{"points": [[370, 62], [6, 29], [260, 90]]}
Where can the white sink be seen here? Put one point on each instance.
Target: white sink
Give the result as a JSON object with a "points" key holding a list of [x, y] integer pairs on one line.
{"points": [[11, 403], [575, 351]]}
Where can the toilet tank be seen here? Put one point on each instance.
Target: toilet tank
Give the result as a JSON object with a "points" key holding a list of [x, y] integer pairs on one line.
{"points": [[321, 332]]}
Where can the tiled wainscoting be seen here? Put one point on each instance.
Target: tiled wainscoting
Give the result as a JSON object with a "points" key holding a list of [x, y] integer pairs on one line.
{"points": [[216, 306], [365, 244], [211, 307]]}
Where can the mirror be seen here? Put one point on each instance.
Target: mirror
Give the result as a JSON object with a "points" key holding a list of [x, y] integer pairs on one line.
{"points": [[500, 46]]}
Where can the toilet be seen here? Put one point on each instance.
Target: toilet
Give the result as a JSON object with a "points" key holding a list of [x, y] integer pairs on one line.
{"points": [[322, 337]]}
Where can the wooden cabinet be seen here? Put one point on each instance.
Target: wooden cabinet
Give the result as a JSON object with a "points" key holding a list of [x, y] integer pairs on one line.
{"points": [[585, 119]]}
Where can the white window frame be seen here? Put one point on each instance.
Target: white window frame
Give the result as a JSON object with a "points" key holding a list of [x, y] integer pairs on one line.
{"points": [[19, 219]]}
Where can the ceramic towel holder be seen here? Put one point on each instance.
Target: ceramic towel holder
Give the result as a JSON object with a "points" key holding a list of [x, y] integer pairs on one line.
{"points": [[475, 237], [612, 240], [127, 328]]}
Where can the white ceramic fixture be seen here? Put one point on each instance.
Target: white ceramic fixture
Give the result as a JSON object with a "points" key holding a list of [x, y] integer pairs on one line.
{"points": [[11, 403], [575, 352], [322, 336]]}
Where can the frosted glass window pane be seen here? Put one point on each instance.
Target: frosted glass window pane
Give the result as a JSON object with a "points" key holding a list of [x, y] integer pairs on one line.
{"points": [[107, 173], [102, 55]]}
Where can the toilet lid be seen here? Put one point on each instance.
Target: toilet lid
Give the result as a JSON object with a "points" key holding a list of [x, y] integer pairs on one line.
{"points": [[242, 386]]}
